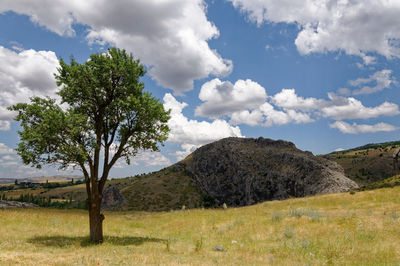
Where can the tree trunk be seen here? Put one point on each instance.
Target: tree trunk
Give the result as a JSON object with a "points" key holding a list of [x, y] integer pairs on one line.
{"points": [[96, 220]]}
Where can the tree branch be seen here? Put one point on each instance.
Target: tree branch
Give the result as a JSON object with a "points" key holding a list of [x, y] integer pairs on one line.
{"points": [[87, 179], [107, 168]]}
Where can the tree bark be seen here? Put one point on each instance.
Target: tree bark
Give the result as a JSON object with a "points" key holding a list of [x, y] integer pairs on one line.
{"points": [[96, 219]]}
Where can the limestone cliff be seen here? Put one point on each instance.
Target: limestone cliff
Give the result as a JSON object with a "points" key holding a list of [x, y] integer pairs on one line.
{"points": [[244, 171]]}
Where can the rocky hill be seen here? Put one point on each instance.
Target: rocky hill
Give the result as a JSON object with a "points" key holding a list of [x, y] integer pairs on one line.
{"points": [[238, 172]]}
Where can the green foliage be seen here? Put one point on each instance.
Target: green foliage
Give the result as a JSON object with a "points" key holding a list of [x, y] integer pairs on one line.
{"points": [[105, 113], [388, 182], [106, 105], [33, 185], [208, 201], [5, 188], [366, 166], [45, 201], [62, 184]]}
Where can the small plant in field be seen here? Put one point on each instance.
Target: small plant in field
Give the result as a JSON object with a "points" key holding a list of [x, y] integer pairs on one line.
{"points": [[168, 244], [183, 207], [224, 206], [313, 214], [352, 192], [198, 245], [239, 221], [305, 244], [289, 233], [277, 216], [296, 213], [395, 215], [332, 253]]}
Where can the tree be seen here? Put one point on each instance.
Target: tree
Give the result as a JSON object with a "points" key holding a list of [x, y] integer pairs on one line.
{"points": [[104, 115]]}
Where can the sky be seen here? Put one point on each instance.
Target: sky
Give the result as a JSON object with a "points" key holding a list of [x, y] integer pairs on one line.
{"points": [[323, 74]]}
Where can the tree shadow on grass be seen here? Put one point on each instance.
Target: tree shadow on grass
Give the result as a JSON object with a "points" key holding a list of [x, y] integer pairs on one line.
{"points": [[65, 241]]}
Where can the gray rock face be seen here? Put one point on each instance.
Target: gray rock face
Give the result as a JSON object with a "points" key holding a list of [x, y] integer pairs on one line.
{"points": [[112, 198], [5, 204], [240, 171]]}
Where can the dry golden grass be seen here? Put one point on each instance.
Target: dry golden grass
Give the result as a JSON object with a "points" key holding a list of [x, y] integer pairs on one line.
{"points": [[337, 229]]}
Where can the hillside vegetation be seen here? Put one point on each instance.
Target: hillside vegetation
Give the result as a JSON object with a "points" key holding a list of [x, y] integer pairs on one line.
{"points": [[172, 188], [332, 229], [388, 182], [367, 164], [235, 171], [167, 189]]}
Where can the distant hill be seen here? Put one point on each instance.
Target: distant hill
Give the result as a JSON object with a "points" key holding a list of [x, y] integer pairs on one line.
{"points": [[240, 172], [39, 179], [367, 164], [236, 171], [382, 145]]}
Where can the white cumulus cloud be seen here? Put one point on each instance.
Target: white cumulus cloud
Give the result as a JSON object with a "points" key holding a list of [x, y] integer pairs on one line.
{"points": [[151, 158], [4, 149], [169, 36], [362, 128], [339, 149], [4, 125], [266, 115], [191, 134], [288, 99], [246, 102], [356, 27], [335, 107], [350, 108], [24, 74], [382, 79], [223, 97]]}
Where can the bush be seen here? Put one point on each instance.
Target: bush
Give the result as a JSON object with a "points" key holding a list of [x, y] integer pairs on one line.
{"points": [[289, 233], [208, 201], [276, 216]]}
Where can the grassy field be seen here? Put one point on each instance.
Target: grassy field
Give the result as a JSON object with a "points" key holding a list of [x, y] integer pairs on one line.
{"points": [[337, 229]]}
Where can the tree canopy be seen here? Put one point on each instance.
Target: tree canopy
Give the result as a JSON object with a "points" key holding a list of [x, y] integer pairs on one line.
{"points": [[104, 115]]}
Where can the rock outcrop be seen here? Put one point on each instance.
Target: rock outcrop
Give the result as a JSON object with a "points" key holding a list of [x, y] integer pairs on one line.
{"points": [[5, 204], [243, 171], [112, 198]]}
